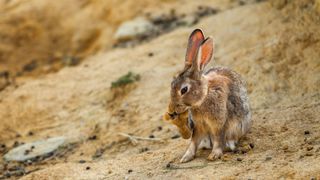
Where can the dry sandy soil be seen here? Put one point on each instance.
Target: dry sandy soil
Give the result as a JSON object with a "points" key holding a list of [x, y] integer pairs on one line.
{"points": [[274, 45]]}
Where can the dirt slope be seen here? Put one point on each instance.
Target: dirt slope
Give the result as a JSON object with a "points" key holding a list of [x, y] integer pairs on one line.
{"points": [[42, 34], [268, 44]]}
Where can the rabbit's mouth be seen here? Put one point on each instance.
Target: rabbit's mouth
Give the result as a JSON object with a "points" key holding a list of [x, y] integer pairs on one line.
{"points": [[174, 114]]}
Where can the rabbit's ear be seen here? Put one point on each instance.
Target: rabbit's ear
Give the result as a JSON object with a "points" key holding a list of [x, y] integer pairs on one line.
{"points": [[195, 40], [205, 53]]}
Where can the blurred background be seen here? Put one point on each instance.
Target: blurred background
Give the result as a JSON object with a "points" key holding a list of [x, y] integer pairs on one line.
{"points": [[84, 84]]}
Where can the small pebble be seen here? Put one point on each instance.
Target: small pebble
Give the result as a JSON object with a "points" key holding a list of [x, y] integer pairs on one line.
{"points": [[175, 136], [88, 168], [284, 128], [26, 152], [94, 137], [268, 158], [151, 136], [251, 145], [7, 174], [159, 128], [130, 171], [309, 148], [144, 149], [29, 162], [15, 144], [306, 132], [82, 161], [30, 133], [14, 168], [225, 157], [309, 154], [168, 165], [150, 54], [3, 146], [32, 147], [243, 151], [241, 3], [239, 159]]}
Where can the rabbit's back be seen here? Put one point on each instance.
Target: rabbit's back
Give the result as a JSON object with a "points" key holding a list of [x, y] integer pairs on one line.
{"points": [[238, 108]]}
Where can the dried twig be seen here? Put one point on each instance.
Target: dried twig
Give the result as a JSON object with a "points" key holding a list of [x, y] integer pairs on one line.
{"points": [[134, 139]]}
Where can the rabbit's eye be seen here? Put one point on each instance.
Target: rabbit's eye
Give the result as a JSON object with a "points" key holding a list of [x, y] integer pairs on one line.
{"points": [[184, 90]]}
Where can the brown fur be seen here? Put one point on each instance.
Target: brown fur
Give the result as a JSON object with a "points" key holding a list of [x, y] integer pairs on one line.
{"points": [[180, 121]]}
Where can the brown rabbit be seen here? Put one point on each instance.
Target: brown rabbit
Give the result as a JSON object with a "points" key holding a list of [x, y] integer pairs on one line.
{"points": [[217, 99]]}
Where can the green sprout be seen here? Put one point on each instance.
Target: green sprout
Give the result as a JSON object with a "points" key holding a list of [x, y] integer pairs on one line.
{"points": [[129, 78]]}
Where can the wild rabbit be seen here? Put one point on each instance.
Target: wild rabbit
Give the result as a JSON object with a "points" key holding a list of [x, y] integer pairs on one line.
{"points": [[217, 99]]}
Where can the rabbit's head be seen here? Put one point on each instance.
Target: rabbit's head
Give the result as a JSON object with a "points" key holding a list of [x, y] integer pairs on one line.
{"points": [[189, 88]]}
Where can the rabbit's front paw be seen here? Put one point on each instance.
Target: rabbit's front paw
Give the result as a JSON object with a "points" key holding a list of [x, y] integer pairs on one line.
{"points": [[187, 157]]}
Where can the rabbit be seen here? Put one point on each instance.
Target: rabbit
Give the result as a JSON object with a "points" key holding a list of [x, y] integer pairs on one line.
{"points": [[185, 125], [216, 98]]}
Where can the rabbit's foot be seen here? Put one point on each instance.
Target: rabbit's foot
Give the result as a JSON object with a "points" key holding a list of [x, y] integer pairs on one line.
{"points": [[215, 154], [188, 156]]}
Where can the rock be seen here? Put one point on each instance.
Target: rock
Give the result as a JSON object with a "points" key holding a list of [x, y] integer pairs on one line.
{"points": [[205, 11], [268, 158], [309, 154], [30, 66], [188, 20], [159, 128], [93, 137], [134, 29], [30, 133], [70, 61], [168, 165], [175, 136], [150, 54], [309, 148], [144, 149], [35, 149], [285, 147], [151, 136]]}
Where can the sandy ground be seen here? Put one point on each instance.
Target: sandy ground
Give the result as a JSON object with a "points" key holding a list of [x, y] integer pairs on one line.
{"points": [[275, 46]]}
